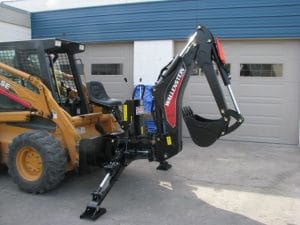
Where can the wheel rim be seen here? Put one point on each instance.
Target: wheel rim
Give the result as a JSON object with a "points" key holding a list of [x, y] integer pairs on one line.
{"points": [[29, 163]]}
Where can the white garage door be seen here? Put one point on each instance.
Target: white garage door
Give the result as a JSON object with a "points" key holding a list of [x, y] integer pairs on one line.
{"points": [[266, 82], [110, 64]]}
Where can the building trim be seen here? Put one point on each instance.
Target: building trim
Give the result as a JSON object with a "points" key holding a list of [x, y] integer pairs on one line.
{"points": [[171, 20], [14, 16]]}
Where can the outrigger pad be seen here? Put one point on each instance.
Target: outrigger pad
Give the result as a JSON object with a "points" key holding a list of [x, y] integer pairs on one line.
{"points": [[204, 132], [164, 165], [92, 213]]}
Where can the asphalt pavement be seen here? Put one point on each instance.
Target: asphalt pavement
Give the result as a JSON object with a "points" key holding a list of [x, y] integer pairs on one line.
{"points": [[228, 183]]}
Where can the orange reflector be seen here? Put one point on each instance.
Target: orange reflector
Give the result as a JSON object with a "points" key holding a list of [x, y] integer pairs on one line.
{"points": [[220, 51]]}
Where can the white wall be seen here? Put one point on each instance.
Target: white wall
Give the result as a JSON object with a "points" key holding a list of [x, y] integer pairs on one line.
{"points": [[37, 5], [11, 32], [149, 58]]}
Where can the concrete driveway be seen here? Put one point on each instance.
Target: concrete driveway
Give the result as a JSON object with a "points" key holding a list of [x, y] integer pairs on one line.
{"points": [[228, 183]]}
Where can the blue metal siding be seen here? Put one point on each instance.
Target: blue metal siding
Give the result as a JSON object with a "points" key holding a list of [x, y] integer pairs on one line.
{"points": [[171, 20]]}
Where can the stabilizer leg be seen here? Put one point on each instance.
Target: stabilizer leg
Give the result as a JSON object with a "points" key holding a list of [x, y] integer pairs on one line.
{"points": [[114, 169], [93, 209]]}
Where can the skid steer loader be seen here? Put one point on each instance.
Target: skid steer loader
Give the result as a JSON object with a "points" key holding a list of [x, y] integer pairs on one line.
{"points": [[51, 123]]}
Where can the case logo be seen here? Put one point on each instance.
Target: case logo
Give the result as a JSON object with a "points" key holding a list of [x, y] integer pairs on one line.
{"points": [[4, 84], [171, 102]]}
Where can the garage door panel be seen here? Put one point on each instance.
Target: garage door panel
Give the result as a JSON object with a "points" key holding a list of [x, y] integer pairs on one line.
{"points": [[201, 90], [262, 130], [117, 53], [263, 120], [255, 139], [260, 100], [198, 99], [113, 89], [260, 90], [292, 70], [256, 49], [270, 105], [198, 90], [204, 108], [104, 59], [292, 93], [265, 109]]}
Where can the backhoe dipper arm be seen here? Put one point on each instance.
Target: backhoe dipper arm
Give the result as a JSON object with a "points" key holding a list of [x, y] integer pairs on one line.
{"points": [[201, 50], [209, 51]]}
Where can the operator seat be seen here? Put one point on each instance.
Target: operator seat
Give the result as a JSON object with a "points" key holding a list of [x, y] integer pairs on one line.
{"points": [[98, 95]]}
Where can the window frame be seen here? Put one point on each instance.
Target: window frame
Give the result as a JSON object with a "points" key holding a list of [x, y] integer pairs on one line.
{"points": [[120, 70], [261, 71]]}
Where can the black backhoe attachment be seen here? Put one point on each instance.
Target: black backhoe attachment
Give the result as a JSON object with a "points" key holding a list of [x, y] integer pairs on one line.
{"points": [[205, 132], [203, 50]]}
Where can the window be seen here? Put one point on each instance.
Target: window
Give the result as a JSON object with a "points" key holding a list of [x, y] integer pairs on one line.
{"points": [[62, 63], [26, 61], [8, 57], [29, 62], [63, 78], [260, 70], [107, 69]]}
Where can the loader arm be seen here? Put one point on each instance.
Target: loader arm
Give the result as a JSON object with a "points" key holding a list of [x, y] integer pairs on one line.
{"points": [[41, 104], [203, 50]]}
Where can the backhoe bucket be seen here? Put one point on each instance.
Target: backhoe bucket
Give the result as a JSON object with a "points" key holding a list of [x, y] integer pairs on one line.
{"points": [[204, 132]]}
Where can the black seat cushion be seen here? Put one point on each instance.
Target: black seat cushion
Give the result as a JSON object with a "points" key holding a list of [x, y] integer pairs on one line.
{"points": [[98, 95]]}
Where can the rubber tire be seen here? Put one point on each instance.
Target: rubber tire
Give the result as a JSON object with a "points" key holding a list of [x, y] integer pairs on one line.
{"points": [[54, 161]]}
